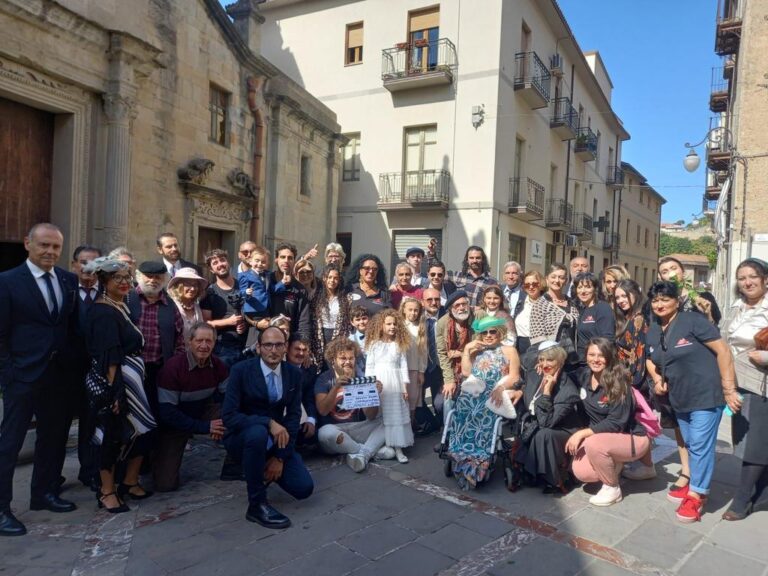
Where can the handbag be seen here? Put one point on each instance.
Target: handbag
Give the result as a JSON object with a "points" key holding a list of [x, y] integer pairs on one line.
{"points": [[761, 339], [506, 410], [645, 415], [98, 389]]}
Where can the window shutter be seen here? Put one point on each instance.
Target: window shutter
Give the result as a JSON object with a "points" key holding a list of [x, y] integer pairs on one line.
{"points": [[402, 240], [354, 35]]}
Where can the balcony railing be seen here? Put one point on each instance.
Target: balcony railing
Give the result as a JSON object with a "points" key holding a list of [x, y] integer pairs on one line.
{"points": [[532, 79], [582, 226], [585, 147], [715, 181], [418, 64], [719, 146], [615, 177], [718, 97], [728, 28], [565, 119], [610, 241], [709, 206], [558, 214], [421, 189], [526, 199]]}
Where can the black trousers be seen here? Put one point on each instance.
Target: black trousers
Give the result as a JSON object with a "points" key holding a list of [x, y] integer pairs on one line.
{"points": [[21, 400]]}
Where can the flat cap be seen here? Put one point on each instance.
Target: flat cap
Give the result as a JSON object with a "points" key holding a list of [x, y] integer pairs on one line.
{"points": [[152, 267]]}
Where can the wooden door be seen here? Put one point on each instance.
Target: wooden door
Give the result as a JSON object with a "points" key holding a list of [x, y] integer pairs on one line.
{"points": [[26, 157]]}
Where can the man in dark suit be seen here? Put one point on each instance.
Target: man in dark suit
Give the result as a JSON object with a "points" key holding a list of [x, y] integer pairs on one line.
{"points": [[262, 413], [37, 308], [436, 274], [168, 248]]}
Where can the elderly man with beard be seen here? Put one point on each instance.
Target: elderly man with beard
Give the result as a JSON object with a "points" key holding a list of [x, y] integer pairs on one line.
{"points": [[475, 273], [222, 300], [159, 320], [452, 332]]}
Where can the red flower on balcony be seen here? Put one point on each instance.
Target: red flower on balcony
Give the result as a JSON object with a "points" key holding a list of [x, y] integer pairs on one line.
{"points": [[421, 43], [401, 45]]}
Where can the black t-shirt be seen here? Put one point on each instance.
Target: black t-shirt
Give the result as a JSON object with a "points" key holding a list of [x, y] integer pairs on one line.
{"points": [[597, 320], [216, 300], [605, 416], [373, 304], [323, 385], [690, 368]]}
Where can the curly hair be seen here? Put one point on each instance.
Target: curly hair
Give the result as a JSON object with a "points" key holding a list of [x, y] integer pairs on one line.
{"points": [[615, 377], [375, 331], [176, 291], [319, 307], [465, 262], [353, 272], [339, 345], [421, 338]]}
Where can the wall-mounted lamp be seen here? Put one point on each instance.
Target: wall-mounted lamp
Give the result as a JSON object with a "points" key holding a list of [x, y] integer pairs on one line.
{"points": [[478, 115]]}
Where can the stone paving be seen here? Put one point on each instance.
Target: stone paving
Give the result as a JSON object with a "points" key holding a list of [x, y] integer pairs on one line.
{"points": [[393, 519]]}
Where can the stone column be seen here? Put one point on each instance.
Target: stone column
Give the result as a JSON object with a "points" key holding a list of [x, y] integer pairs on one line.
{"points": [[119, 110]]}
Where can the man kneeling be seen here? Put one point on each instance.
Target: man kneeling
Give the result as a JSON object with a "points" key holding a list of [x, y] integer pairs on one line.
{"points": [[190, 388], [358, 433]]}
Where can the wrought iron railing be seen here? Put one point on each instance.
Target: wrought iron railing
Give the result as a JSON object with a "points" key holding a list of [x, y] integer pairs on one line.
{"points": [[526, 194], [563, 112], [529, 69], [558, 212], [611, 241], [409, 59], [416, 186], [586, 140], [615, 176]]}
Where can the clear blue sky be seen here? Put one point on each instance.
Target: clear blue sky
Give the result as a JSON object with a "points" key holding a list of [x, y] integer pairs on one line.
{"points": [[659, 54]]}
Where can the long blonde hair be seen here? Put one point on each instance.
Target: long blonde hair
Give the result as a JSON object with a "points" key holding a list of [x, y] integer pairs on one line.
{"points": [[421, 337]]}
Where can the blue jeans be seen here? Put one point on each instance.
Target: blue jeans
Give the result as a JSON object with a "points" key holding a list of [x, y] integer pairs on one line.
{"points": [[699, 430]]}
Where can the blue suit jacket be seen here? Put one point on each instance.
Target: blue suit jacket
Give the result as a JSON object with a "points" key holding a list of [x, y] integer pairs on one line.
{"points": [[246, 402], [29, 337]]}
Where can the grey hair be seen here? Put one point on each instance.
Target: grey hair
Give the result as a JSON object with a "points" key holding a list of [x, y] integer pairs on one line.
{"points": [[121, 251], [515, 264], [41, 226], [201, 325], [404, 265], [335, 247]]}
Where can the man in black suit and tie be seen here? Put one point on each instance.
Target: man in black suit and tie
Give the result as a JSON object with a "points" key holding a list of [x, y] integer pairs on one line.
{"points": [[262, 413], [37, 308], [168, 248]]}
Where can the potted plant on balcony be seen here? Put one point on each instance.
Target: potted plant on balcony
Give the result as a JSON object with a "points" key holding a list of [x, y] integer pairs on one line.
{"points": [[421, 43], [581, 141], [401, 45]]}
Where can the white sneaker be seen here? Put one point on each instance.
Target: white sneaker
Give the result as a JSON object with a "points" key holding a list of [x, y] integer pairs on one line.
{"points": [[639, 472], [402, 458], [606, 496], [356, 462], [385, 453]]}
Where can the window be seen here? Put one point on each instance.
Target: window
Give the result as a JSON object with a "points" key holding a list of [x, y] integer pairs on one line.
{"points": [[351, 160], [591, 262], [345, 239], [645, 277], [597, 148], [551, 256], [637, 273], [655, 240], [423, 36], [354, 44], [306, 176], [641, 196], [516, 250], [638, 237], [420, 161], [657, 203], [647, 235], [626, 236], [653, 273], [219, 109]]}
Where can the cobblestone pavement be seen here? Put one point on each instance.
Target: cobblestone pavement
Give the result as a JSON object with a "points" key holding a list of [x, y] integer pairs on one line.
{"points": [[393, 519]]}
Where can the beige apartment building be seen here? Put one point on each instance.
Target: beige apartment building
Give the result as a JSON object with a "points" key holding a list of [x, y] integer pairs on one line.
{"points": [[123, 119], [489, 127], [737, 145], [640, 222]]}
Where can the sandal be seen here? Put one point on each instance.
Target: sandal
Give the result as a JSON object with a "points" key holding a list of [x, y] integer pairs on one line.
{"points": [[123, 507], [124, 490], [687, 481]]}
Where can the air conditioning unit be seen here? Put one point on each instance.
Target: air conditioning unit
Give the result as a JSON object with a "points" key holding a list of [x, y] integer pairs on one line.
{"points": [[558, 238], [556, 65]]}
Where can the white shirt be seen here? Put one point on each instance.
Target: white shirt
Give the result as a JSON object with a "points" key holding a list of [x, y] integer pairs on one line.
{"points": [[513, 296], [39, 273], [331, 314], [172, 267], [278, 377], [93, 290]]}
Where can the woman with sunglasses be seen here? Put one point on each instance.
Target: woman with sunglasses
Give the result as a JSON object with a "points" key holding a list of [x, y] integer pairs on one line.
{"points": [[690, 363], [491, 303], [304, 271], [366, 282], [329, 312], [533, 284]]}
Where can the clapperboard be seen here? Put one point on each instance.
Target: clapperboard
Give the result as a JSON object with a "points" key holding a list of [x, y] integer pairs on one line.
{"points": [[360, 393]]}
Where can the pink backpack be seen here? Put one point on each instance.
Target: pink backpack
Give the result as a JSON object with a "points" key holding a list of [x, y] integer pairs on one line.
{"points": [[645, 415]]}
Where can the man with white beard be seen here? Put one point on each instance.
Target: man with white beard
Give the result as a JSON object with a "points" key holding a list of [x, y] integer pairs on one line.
{"points": [[452, 332], [155, 314]]}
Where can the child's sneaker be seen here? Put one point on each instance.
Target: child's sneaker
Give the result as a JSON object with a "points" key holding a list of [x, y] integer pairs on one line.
{"points": [[690, 510]]}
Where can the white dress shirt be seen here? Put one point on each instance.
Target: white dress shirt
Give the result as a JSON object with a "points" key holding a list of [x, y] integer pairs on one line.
{"points": [[278, 377], [39, 273], [512, 296], [172, 268], [93, 291]]}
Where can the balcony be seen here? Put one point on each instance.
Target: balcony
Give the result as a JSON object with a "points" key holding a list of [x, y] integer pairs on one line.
{"points": [[709, 207], [718, 96], [615, 177], [558, 215], [532, 79], [419, 64], [526, 199], [719, 149], [728, 27], [582, 226], [585, 147], [417, 189], [715, 181], [611, 241], [565, 119]]}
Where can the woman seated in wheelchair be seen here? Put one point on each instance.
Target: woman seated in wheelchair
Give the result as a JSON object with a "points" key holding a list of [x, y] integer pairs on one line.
{"points": [[549, 413], [489, 368]]}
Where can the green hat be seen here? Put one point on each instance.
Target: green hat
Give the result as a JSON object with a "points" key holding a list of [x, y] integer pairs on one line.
{"points": [[486, 322]]}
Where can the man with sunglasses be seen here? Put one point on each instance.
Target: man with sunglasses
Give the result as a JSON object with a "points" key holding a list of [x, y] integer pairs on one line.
{"points": [[262, 415], [244, 255], [436, 276]]}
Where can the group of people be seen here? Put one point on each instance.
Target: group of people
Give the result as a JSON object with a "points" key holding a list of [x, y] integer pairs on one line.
{"points": [[259, 358]]}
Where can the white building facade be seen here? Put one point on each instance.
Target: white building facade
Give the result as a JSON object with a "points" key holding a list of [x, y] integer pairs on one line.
{"points": [[476, 127]]}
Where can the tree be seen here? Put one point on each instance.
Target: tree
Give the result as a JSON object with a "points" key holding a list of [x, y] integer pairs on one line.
{"points": [[669, 244], [706, 246]]}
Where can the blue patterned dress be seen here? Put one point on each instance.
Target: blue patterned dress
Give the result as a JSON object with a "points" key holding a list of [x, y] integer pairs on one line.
{"points": [[471, 443]]}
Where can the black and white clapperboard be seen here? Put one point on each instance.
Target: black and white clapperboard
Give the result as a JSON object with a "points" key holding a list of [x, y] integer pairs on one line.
{"points": [[360, 393]]}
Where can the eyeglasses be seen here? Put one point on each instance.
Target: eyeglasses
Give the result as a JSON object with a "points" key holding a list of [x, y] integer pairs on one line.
{"points": [[272, 345], [431, 299], [305, 272], [491, 332], [531, 285], [369, 268], [460, 305], [436, 274], [122, 279]]}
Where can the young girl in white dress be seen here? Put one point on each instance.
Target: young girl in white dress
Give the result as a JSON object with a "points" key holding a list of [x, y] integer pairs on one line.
{"points": [[387, 342], [411, 310]]}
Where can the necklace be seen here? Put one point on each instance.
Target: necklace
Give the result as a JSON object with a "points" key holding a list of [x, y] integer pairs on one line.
{"points": [[114, 303], [187, 307]]}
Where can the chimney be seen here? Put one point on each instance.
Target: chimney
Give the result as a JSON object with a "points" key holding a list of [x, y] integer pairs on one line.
{"points": [[248, 21]]}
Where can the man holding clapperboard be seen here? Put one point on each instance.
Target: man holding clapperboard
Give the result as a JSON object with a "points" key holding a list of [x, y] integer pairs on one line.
{"points": [[348, 405]]}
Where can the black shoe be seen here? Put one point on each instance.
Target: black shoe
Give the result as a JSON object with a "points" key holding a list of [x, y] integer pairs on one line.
{"points": [[10, 526], [124, 491], [123, 507], [232, 471], [51, 502], [91, 482], [267, 516]]}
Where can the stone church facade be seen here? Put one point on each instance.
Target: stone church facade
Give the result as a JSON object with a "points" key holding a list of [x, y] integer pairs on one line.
{"points": [[122, 120]]}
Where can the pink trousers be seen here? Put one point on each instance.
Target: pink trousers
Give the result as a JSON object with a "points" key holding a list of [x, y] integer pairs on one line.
{"points": [[600, 456]]}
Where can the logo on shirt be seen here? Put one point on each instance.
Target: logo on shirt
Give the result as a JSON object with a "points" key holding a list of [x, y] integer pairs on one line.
{"points": [[588, 319], [682, 343], [355, 297]]}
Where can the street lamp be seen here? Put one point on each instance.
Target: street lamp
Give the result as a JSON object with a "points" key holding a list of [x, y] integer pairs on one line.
{"points": [[716, 136]]}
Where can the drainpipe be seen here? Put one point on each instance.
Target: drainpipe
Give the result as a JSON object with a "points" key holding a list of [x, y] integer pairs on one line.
{"points": [[255, 86], [568, 161]]}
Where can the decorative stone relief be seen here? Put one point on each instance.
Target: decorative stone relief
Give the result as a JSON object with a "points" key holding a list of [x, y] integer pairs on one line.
{"points": [[220, 209], [197, 170], [241, 182], [119, 108]]}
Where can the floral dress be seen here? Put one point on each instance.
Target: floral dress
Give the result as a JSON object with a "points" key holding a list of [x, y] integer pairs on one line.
{"points": [[472, 444], [630, 347]]}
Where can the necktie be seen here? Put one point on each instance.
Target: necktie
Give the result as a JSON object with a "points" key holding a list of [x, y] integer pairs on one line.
{"points": [[88, 300], [54, 307], [272, 388], [431, 343]]}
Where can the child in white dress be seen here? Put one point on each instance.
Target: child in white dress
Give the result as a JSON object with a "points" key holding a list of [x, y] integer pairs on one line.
{"points": [[411, 310], [387, 342]]}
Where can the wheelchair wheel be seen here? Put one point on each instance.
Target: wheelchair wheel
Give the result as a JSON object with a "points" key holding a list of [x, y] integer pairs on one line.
{"points": [[448, 467], [509, 479]]}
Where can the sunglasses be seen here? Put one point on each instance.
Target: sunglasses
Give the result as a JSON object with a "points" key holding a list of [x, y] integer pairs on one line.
{"points": [[369, 268], [491, 332], [305, 272], [436, 274], [531, 285], [432, 299]]}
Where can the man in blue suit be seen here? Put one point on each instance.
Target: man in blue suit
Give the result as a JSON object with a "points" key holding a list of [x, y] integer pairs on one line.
{"points": [[262, 414], [38, 306]]}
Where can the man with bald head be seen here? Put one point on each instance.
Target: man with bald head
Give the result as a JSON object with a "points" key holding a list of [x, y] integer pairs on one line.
{"points": [[38, 304]]}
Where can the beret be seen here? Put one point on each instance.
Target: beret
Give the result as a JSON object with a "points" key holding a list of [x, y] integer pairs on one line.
{"points": [[152, 267], [458, 295]]}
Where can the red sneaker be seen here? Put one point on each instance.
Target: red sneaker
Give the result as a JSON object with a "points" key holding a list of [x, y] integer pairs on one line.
{"points": [[690, 510], [677, 494]]}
